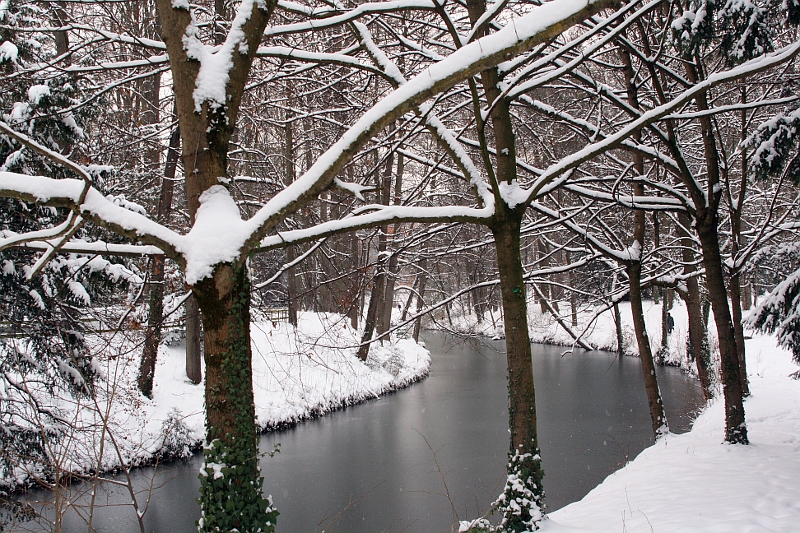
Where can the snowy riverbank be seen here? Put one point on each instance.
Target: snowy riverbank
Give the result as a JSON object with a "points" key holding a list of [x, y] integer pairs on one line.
{"points": [[695, 483], [297, 374], [596, 327]]}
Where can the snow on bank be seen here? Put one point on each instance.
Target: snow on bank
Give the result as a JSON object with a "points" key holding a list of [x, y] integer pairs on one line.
{"points": [[596, 327], [297, 374], [695, 483]]}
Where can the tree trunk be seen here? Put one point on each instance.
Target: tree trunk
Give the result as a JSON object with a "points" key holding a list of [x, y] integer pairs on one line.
{"points": [[735, 288], [423, 272], [666, 306], [61, 19], [657, 416], [230, 483], [147, 366], [654, 402], [293, 300], [152, 337], [410, 299], [573, 296], [697, 345], [524, 465], [737, 240], [354, 287], [390, 276], [706, 225], [735, 427], [194, 351], [377, 298], [291, 251], [375, 306], [618, 328], [544, 262], [392, 268]]}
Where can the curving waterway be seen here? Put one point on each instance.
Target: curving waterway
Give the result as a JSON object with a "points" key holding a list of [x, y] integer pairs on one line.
{"points": [[418, 460]]}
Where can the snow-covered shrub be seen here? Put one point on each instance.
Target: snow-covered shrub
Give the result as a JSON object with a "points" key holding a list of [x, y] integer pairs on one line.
{"points": [[479, 525], [177, 440], [389, 359]]}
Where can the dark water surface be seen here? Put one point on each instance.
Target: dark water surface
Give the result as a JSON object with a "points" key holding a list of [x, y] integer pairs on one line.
{"points": [[417, 460]]}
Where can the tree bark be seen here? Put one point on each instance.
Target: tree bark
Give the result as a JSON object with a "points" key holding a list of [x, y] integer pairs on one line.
{"points": [[354, 285], [706, 225], [735, 289], [392, 268], [377, 298], [194, 352], [291, 252], [230, 501], [657, 417], [634, 267], [618, 328], [697, 344], [524, 463], [423, 273], [375, 301], [735, 427], [152, 339]]}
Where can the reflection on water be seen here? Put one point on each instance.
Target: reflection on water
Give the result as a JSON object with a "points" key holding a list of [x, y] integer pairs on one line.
{"points": [[419, 459]]}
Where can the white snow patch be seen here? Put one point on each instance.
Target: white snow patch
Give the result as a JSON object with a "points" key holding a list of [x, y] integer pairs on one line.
{"points": [[694, 482], [37, 92], [512, 194], [8, 52]]}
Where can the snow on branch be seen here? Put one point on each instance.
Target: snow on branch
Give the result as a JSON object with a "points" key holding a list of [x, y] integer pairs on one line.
{"points": [[326, 17], [541, 24], [91, 205], [353, 188], [435, 126], [377, 215], [216, 62], [774, 142], [749, 68]]}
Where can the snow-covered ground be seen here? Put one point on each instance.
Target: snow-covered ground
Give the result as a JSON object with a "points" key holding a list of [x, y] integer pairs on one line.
{"points": [[297, 374], [695, 483]]}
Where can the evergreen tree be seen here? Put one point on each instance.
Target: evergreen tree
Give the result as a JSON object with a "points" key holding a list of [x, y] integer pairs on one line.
{"points": [[43, 343]]}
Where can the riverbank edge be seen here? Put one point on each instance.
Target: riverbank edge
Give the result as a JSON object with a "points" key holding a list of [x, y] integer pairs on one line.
{"points": [[406, 376]]}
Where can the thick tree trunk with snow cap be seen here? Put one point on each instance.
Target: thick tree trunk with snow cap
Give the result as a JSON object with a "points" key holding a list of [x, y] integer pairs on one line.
{"points": [[207, 107]]}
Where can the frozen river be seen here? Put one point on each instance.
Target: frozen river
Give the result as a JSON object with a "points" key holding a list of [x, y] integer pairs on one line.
{"points": [[418, 460]]}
